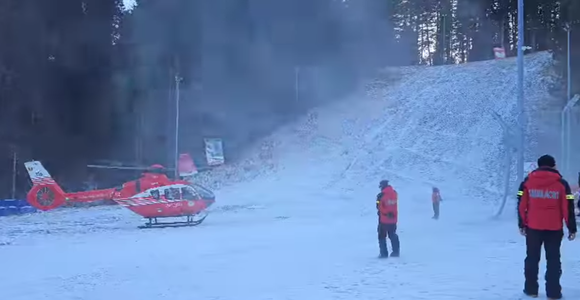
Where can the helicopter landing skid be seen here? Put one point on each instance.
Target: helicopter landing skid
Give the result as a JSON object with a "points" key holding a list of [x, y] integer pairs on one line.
{"points": [[191, 221]]}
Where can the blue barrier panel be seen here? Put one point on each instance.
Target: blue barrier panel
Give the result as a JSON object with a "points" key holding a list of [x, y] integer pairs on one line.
{"points": [[13, 202], [18, 203], [7, 203], [22, 203], [11, 207], [27, 210], [13, 210]]}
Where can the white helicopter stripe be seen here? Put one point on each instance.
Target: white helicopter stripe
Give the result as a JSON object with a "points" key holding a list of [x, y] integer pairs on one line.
{"points": [[146, 198]]}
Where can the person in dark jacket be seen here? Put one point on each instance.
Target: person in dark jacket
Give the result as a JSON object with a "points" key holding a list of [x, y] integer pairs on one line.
{"points": [[544, 199], [388, 211], [577, 192]]}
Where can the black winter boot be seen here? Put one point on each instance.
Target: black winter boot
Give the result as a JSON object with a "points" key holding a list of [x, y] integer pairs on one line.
{"points": [[384, 252]]}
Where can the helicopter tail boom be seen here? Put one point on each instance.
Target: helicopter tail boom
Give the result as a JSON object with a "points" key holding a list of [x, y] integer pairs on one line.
{"points": [[46, 194]]}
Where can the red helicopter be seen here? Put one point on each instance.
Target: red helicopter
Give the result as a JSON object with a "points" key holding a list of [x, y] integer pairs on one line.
{"points": [[153, 196]]}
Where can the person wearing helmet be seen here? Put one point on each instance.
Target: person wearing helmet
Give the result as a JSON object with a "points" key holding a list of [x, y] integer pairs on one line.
{"points": [[436, 199], [387, 210]]}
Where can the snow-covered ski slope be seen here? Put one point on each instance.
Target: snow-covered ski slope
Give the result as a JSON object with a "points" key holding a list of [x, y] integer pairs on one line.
{"points": [[432, 125], [296, 220]]}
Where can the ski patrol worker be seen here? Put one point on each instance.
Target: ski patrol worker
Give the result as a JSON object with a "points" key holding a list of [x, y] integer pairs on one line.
{"points": [[387, 209], [576, 192], [544, 199], [436, 199]]}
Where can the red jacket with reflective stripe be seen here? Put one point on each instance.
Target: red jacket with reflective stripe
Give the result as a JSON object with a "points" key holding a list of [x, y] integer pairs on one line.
{"points": [[387, 206], [545, 201]]}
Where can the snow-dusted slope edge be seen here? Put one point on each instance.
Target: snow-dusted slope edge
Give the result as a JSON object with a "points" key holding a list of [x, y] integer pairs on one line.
{"points": [[422, 125]]}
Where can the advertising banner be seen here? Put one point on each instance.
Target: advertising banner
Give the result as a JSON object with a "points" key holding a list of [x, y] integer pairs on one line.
{"points": [[214, 151]]}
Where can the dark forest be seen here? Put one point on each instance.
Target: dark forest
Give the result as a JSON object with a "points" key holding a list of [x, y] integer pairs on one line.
{"points": [[87, 80]]}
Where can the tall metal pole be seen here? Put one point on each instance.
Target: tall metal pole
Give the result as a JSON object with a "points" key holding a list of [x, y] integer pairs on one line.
{"points": [[568, 63], [563, 136], [569, 94], [14, 163], [502, 35], [444, 60], [296, 83], [568, 148], [177, 81], [521, 116]]}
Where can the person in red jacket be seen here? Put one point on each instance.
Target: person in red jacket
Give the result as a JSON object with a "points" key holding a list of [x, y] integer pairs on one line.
{"points": [[544, 200], [436, 199], [387, 209]]}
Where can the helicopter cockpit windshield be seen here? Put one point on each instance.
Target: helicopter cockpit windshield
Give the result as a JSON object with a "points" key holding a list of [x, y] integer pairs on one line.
{"points": [[188, 193], [204, 193]]}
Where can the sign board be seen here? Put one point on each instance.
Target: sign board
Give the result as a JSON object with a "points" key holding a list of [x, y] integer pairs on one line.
{"points": [[186, 166], [499, 52], [529, 166], [214, 152]]}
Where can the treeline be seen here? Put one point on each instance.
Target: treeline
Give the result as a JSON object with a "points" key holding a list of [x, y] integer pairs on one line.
{"points": [[88, 79]]}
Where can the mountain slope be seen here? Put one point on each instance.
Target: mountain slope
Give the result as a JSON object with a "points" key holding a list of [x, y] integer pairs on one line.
{"points": [[416, 125]]}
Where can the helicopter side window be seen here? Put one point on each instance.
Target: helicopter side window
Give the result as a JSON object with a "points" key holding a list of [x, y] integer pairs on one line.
{"points": [[172, 194], [176, 192], [155, 194], [167, 194], [189, 194]]}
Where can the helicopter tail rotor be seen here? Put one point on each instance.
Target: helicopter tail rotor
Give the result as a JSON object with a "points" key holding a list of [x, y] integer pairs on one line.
{"points": [[45, 194]]}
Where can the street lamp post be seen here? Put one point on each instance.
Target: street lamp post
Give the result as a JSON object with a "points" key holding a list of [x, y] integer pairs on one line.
{"points": [[14, 170], [520, 102], [177, 99], [296, 83], [568, 62]]}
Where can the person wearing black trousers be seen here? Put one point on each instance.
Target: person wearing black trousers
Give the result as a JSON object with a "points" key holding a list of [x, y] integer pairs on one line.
{"points": [[544, 201], [436, 199]]}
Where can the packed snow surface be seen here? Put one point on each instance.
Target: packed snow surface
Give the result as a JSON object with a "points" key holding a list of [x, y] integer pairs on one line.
{"points": [[297, 220]]}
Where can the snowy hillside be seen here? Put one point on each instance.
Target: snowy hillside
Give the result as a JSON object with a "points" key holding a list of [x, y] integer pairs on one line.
{"points": [[296, 220], [425, 125]]}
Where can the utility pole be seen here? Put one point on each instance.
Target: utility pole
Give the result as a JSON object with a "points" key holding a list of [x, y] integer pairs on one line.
{"points": [[177, 99], [14, 168], [502, 34], [568, 62], [444, 37], [568, 130], [296, 83], [520, 102]]}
